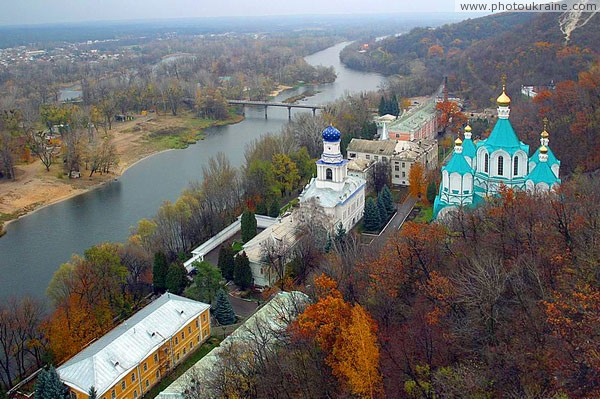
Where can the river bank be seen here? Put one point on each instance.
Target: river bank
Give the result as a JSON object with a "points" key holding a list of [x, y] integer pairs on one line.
{"points": [[145, 136]]}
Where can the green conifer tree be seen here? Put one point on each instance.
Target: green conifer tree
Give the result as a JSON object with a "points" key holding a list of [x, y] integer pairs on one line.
{"points": [[223, 311], [382, 106], [248, 225], [261, 208], [49, 386], [388, 200], [431, 191], [340, 232], [371, 220], [242, 274], [159, 272], [92, 394], [394, 108], [176, 279], [383, 214], [274, 208], [226, 262]]}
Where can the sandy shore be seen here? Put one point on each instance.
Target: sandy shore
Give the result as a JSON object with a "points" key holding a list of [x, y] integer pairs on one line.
{"points": [[279, 90], [35, 188]]}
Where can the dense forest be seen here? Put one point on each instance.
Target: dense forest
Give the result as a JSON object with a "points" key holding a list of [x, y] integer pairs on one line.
{"points": [[530, 49]]}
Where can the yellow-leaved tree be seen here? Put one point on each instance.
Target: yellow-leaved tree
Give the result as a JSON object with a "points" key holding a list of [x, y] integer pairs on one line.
{"points": [[356, 355], [347, 334]]}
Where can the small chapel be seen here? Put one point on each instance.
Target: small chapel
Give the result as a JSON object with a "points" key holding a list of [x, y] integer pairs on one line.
{"points": [[342, 196], [477, 170]]}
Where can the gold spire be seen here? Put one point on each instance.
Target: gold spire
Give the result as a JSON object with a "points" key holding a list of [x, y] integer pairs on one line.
{"points": [[458, 141], [467, 128], [503, 100], [545, 132]]}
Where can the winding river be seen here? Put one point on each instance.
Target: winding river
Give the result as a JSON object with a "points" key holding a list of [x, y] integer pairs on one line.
{"points": [[35, 245]]}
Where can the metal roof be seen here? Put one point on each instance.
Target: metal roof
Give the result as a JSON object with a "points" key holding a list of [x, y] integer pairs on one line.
{"points": [[503, 137], [114, 355], [458, 164], [552, 160], [377, 147], [414, 119], [265, 324], [543, 174], [330, 198]]}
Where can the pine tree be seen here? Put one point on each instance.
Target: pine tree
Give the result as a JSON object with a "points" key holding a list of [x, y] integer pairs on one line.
{"points": [[226, 262], [159, 272], [388, 200], [382, 106], [248, 225], [176, 279], [49, 386], [394, 108], [431, 192], [383, 214], [223, 311], [371, 221], [261, 208], [274, 208], [340, 232], [92, 394], [242, 274]]}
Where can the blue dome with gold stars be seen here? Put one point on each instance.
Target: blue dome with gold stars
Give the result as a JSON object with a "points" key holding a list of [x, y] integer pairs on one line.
{"points": [[331, 134]]}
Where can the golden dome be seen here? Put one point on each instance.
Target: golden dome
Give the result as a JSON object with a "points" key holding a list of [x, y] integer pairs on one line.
{"points": [[543, 149], [458, 141], [503, 100], [467, 128], [545, 134]]}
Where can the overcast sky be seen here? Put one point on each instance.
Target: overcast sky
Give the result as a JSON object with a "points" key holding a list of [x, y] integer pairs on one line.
{"points": [[16, 12]]}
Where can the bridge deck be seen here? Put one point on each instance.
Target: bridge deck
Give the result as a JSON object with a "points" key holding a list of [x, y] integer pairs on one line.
{"points": [[273, 104]]}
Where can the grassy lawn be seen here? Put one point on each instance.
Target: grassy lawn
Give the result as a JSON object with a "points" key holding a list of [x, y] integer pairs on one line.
{"points": [[188, 131], [425, 215], [400, 194], [212, 342]]}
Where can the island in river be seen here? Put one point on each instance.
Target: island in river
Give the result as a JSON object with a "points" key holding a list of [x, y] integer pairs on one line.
{"points": [[145, 135]]}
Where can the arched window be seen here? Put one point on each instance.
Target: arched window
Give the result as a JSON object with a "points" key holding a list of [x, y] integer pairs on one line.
{"points": [[500, 165], [516, 166], [328, 174], [486, 163]]}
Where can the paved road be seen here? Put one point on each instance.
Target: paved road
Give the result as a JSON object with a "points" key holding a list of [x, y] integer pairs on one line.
{"points": [[403, 211], [241, 307]]}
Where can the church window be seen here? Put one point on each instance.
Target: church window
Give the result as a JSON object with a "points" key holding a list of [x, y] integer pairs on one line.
{"points": [[376, 157], [516, 167], [397, 168], [500, 165], [403, 174], [352, 155], [486, 163], [328, 174]]}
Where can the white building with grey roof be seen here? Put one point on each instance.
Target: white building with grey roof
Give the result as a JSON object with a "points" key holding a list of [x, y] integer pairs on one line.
{"points": [[400, 155]]}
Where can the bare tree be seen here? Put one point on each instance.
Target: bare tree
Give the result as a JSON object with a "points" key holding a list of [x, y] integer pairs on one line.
{"points": [[44, 146]]}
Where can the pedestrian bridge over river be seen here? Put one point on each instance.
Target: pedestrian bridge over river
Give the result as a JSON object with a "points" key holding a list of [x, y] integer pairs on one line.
{"points": [[266, 104]]}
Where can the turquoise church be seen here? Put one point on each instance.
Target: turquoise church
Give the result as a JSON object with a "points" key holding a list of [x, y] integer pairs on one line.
{"points": [[476, 171]]}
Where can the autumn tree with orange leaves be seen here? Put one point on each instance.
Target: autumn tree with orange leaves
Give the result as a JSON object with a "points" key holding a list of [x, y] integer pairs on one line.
{"points": [[416, 180], [450, 117], [347, 334]]}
